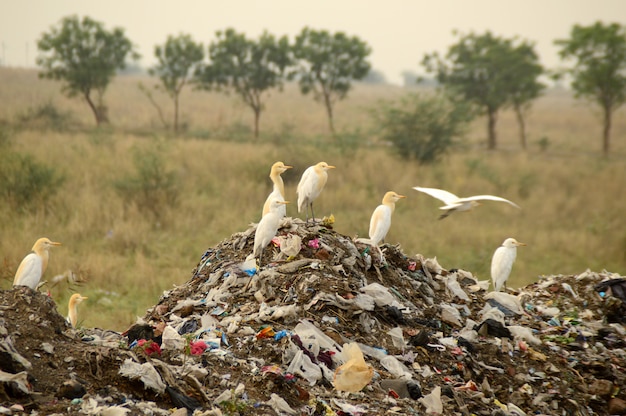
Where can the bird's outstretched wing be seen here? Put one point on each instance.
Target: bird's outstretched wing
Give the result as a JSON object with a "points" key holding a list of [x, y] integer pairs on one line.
{"points": [[487, 197], [448, 197]]}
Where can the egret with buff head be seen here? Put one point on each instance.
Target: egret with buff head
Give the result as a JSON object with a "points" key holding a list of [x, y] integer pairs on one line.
{"points": [[455, 203], [502, 262], [310, 186], [72, 313], [34, 265], [278, 191], [381, 217]]}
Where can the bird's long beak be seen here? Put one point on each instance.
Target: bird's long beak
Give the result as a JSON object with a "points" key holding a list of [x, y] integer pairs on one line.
{"points": [[401, 196], [331, 167], [283, 202], [288, 167], [55, 243], [520, 244], [84, 297]]}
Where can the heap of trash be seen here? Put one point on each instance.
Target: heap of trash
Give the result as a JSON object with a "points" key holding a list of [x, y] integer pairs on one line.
{"points": [[329, 325]]}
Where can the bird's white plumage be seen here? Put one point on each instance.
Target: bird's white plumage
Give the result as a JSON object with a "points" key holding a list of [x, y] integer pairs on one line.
{"points": [[267, 227], [455, 203], [34, 264], [380, 222], [311, 185], [278, 190], [502, 262]]}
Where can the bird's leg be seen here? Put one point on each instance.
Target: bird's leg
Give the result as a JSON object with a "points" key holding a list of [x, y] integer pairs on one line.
{"points": [[260, 258], [312, 213], [445, 214]]}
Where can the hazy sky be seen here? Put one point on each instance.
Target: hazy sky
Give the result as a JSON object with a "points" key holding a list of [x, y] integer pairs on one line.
{"points": [[399, 32]]}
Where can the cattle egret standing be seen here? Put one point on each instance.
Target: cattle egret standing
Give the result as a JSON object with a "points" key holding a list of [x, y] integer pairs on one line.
{"points": [[72, 315], [454, 203], [381, 218], [34, 265], [279, 188], [311, 184], [502, 262], [267, 228]]}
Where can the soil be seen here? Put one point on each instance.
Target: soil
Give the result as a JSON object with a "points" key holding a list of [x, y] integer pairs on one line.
{"points": [[576, 367]]}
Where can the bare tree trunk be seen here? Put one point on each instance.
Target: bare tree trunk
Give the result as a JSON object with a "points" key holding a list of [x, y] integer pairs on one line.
{"points": [[257, 117], [606, 134], [522, 125], [492, 119], [176, 114], [93, 107], [155, 104], [329, 111]]}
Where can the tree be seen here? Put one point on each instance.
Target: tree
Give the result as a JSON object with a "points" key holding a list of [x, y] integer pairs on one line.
{"points": [[248, 67], [600, 70], [422, 127], [491, 73], [327, 65], [177, 59], [86, 56]]}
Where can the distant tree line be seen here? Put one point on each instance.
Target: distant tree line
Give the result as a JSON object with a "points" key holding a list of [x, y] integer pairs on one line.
{"points": [[481, 74]]}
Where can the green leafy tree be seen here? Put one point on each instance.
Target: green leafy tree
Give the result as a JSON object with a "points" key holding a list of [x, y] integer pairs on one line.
{"points": [[490, 72], [422, 127], [177, 59], [327, 65], [600, 70], [86, 56], [247, 67]]}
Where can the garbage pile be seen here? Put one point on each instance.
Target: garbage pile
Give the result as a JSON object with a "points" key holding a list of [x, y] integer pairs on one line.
{"points": [[328, 326]]}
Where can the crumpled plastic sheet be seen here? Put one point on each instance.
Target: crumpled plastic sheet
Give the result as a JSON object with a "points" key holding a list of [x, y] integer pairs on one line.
{"points": [[144, 372]]}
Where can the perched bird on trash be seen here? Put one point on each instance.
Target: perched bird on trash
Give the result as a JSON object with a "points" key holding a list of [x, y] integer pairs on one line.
{"points": [[454, 203], [279, 188], [34, 265], [381, 217], [267, 228], [310, 186], [72, 313], [502, 262]]}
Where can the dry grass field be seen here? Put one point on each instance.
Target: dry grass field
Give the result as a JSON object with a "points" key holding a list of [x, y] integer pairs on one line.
{"points": [[573, 213]]}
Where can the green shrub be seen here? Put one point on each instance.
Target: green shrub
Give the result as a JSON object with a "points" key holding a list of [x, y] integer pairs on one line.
{"points": [[26, 183], [46, 115], [422, 127], [152, 187]]}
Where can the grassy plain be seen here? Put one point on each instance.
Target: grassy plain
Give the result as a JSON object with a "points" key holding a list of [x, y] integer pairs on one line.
{"points": [[573, 216]]}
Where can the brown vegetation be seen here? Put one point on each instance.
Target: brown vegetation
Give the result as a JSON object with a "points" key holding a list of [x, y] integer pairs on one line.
{"points": [[572, 217]]}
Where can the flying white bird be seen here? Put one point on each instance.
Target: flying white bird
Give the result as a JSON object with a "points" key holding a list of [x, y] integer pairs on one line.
{"points": [[279, 188], [454, 203], [34, 264], [72, 315], [311, 184], [267, 228], [502, 262], [381, 217]]}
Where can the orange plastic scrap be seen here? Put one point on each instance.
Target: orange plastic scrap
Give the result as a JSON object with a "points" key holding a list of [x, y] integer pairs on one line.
{"points": [[266, 332], [355, 373]]}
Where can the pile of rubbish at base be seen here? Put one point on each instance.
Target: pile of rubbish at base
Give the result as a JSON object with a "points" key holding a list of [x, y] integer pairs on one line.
{"points": [[328, 326]]}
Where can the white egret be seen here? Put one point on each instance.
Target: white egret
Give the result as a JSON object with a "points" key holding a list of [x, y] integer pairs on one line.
{"points": [[311, 184], [267, 228], [381, 217], [454, 203], [502, 262], [34, 264], [279, 188], [72, 314]]}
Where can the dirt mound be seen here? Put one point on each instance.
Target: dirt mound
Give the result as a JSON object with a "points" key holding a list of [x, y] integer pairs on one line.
{"points": [[236, 340]]}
